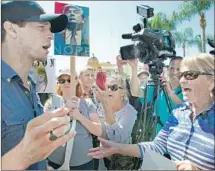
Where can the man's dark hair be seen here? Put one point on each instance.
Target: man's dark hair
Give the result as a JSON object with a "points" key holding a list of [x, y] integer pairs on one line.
{"points": [[176, 58]]}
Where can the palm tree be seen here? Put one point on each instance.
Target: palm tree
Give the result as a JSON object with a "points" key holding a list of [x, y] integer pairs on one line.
{"points": [[191, 8], [198, 41], [184, 38], [162, 21]]}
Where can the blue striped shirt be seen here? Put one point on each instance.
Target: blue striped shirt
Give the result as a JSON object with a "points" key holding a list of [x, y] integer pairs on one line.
{"points": [[186, 139]]}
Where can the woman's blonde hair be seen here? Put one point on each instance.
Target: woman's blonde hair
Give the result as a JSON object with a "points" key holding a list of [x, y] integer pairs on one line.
{"points": [[202, 62], [78, 92], [87, 67], [58, 90]]}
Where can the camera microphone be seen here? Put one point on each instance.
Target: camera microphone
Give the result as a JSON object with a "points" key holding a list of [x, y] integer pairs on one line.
{"points": [[127, 36]]}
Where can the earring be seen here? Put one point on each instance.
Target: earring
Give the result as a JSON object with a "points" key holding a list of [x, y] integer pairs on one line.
{"points": [[212, 94], [122, 97]]}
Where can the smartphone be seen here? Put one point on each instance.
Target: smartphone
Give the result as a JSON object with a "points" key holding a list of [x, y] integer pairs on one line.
{"points": [[101, 79]]}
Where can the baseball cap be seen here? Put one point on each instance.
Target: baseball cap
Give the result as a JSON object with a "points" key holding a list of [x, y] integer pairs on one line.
{"points": [[30, 11], [63, 72]]}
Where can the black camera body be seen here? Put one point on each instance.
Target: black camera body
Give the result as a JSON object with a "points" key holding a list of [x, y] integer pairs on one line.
{"points": [[151, 46]]}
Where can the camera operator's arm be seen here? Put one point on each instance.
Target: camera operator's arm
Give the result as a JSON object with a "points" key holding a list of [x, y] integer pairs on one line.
{"points": [[135, 83], [175, 98], [170, 92], [120, 64]]}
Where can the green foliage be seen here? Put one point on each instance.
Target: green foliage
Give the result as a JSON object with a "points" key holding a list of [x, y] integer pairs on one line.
{"points": [[197, 41], [191, 8], [188, 9], [162, 21], [183, 37]]}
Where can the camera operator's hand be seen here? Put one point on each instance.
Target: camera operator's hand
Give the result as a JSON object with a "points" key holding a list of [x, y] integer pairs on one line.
{"points": [[134, 83], [120, 63], [170, 91], [133, 64], [36, 144], [166, 85]]}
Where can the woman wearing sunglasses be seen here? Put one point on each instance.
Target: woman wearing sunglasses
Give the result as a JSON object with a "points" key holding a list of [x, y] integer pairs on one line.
{"points": [[188, 135], [87, 124], [119, 115]]}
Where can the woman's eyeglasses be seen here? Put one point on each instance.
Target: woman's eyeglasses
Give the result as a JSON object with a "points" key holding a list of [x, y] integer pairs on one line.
{"points": [[192, 75], [114, 87], [62, 81]]}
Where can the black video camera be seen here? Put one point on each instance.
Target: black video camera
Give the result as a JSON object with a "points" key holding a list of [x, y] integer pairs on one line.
{"points": [[150, 45]]}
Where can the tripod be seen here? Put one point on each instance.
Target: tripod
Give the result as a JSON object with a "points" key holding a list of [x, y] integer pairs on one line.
{"points": [[149, 117]]}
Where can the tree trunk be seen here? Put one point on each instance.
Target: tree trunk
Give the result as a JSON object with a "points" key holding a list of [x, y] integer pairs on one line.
{"points": [[203, 41], [183, 46], [203, 25]]}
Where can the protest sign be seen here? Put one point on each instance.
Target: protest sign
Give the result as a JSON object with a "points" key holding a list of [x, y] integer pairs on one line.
{"points": [[43, 73], [74, 40]]}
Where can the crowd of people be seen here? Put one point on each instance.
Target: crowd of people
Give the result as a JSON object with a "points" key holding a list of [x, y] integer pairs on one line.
{"points": [[188, 134], [35, 137]]}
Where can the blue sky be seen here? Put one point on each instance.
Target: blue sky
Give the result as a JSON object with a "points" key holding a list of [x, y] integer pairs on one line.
{"points": [[110, 19]]}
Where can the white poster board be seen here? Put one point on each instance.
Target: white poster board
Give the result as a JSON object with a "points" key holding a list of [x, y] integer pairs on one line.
{"points": [[155, 161], [43, 73]]}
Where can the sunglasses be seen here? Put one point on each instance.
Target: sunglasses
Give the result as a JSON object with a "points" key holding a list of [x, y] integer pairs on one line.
{"points": [[114, 87], [62, 81], [192, 75]]}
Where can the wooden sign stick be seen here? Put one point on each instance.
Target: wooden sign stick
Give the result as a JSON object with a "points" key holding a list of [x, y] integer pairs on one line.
{"points": [[69, 145]]}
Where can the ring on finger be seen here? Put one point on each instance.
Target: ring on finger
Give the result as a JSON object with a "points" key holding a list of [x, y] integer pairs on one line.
{"points": [[52, 136]]}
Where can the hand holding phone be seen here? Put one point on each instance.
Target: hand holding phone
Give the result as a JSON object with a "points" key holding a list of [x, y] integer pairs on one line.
{"points": [[100, 80]]}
